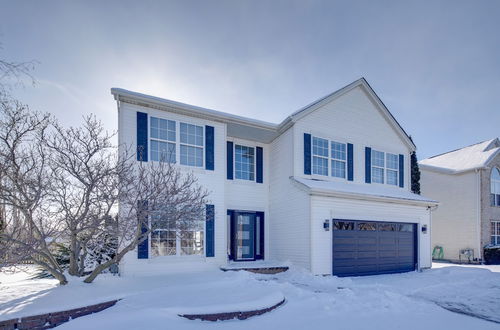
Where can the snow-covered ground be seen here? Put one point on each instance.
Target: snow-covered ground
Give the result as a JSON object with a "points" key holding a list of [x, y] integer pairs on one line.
{"points": [[401, 301]]}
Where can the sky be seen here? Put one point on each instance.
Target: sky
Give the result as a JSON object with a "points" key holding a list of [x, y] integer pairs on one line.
{"points": [[435, 64]]}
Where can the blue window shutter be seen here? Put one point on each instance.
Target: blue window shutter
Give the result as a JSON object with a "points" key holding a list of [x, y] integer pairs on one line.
{"points": [[229, 160], [401, 171], [368, 165], [209, 148], [260, 169], [307, 153], [142, 136], [350, 162], [210, 231], [143, 247]]}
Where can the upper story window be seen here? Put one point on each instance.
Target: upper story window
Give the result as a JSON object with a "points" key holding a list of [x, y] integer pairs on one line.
{"points": [[339, 157], [385, 167], [244, 162], [163, 137], [320, 156], [495, 187], [191, 146], [328, 154]]}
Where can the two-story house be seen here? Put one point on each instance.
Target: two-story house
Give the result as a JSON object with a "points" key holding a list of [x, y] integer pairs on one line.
{"points": [[467, 184], [326, 189]]}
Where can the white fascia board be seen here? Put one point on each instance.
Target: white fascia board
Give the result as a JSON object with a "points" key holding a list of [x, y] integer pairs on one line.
{"points": [[449, 171], [126, 95]]}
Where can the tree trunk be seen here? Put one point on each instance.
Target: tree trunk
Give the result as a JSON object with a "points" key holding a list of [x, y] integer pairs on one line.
{"points": [[73, 258]]}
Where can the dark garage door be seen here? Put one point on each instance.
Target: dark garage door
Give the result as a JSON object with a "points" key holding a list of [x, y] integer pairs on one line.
{"points": [[369, 248]]}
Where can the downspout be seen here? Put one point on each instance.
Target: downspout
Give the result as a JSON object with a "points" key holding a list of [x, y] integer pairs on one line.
{"points": [[478, 217]]}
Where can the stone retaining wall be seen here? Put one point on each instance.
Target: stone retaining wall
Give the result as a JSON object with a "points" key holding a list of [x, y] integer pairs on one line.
{"points": [[51, 320], [231, 315]]}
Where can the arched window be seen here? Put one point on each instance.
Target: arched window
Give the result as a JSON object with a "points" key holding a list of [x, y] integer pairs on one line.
{"points": [[495, 187]]}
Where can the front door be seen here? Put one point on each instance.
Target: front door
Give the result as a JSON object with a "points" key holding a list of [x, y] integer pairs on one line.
{"points": [[247, 235]]}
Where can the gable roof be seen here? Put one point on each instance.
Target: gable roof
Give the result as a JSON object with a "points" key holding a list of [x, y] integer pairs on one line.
{"points": [[371, 93], [269, 131], [468, 158]]}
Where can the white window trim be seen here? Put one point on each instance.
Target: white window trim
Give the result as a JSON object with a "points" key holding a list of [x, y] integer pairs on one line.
{"points": [[496, 223], [177, 142], [235, 143], [385, 168]]}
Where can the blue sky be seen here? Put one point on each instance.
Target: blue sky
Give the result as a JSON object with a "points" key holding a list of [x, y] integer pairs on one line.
{"points": [[435, 64]]}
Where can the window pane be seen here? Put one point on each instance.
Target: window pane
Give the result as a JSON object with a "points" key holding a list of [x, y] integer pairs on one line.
{"points": [[392, 161], [162, 129], [244, 162], [338, 151], [320, 147], [191, 156], [338, 169], [378, 158], [367, 226], [392, 177], [406, 227], [387, 227], [377, 175], [162, 151], [343, 225], [320, 165], [191, 134]]}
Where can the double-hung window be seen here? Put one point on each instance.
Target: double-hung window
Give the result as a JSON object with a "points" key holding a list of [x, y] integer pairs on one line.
{"points": [[495, 232], [163, 137], [169, 238], [328, 158], [385, 167], [191, 146], [320, 156], [244, 162], [495, 187], [339, 156], [164, 140]]}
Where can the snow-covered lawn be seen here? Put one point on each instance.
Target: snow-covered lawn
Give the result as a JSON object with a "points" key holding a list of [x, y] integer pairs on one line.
{"points": [[401, 301]]}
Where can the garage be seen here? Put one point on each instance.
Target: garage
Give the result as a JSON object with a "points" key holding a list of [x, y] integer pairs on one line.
{"points": [[373, 247]]}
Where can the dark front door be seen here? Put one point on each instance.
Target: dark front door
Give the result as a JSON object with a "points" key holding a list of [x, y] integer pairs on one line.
{"points": [[247, 233], [369, 248]]}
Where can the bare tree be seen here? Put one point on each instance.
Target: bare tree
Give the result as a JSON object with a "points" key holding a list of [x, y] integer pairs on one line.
{"points": [[150, 195], [26, 180], [83, 161]]}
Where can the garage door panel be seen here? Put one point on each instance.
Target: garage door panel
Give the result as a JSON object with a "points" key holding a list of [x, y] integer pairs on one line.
{"points": [[365, 251]]}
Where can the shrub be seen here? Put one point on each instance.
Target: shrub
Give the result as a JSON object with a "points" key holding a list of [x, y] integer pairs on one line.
{"points": [[492, 255]]}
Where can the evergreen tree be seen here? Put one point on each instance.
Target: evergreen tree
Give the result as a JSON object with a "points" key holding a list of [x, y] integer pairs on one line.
{"points": [[415, 174]]}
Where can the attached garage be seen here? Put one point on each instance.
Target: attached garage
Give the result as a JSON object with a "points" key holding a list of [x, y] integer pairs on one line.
{"points": [[373, 247]]}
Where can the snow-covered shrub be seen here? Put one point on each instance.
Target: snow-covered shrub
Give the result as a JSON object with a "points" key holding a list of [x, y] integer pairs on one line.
{"points": [[492, 255]]}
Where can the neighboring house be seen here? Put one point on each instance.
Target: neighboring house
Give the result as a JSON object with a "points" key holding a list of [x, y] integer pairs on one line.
{"points": [[328, 189], [467, 184]]}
